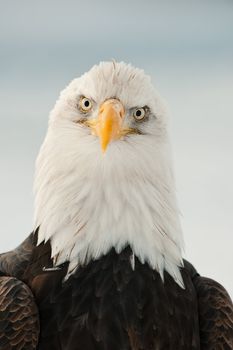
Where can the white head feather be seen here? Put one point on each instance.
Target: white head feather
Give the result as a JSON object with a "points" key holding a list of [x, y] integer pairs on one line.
{"points": [[87, 202]]}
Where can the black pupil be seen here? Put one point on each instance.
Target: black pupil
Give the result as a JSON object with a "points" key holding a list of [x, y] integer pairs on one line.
{"points": [[138, 113], [86, 103]]}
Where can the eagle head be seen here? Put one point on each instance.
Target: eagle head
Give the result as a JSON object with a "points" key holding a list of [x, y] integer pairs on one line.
{"points": [[104, 175]]}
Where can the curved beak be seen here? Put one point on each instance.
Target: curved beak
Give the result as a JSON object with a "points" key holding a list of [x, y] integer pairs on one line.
{"points": [[108, 124]]}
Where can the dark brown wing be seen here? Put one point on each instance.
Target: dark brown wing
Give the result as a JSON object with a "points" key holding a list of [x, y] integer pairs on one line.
{"points": [[19, 320], [215, 315], [15, 262]]}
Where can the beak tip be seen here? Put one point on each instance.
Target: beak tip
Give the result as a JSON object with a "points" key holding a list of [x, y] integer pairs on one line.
{"points": [[104, 147]]}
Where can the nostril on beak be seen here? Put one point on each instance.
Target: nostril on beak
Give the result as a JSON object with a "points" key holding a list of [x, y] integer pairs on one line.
{"points": [[122, 112]]}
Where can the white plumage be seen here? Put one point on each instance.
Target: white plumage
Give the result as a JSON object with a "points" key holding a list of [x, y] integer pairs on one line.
{"points": [[87, 201]]}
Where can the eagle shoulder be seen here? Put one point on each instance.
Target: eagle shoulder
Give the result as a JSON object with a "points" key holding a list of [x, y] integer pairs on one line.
{"points": [[15, 262], [215, 310]]}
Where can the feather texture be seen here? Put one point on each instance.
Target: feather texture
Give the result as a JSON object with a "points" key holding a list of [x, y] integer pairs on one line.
{"points": [[215, 315], [109, 305], [19, 319]]}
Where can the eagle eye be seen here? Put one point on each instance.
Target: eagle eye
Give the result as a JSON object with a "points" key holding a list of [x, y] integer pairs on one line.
{"points": [[85, 104], [139, 114]]}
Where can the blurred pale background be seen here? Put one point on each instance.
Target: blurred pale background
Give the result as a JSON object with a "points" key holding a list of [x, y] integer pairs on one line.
{"points": [[187, 48]]}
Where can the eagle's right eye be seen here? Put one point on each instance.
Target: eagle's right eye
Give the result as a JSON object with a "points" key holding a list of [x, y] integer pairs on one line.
{"points": [[85, 104]]}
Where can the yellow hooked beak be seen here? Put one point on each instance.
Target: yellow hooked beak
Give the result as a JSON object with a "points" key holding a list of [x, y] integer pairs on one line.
{"points": [[108, 125]]}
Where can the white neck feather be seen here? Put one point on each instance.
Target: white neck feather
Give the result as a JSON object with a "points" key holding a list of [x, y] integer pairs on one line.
{"points": [[86, 202]]}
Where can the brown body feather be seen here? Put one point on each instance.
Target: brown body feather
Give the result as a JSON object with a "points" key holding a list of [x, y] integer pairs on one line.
{"points": [[19, 319], [215, 314], [107, 305]]}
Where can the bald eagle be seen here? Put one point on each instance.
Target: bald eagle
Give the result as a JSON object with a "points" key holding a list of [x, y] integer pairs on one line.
{"points": [[103, 267]]}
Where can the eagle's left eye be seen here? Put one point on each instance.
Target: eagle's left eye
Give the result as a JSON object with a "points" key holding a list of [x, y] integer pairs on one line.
{"points": [[139, 114], [85, 104]]}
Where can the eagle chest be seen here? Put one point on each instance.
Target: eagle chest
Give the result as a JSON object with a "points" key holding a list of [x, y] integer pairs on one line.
{"points": [[111, 304]]}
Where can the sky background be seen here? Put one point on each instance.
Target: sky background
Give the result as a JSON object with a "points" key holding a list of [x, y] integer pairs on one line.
{"points": [[187, 48]]}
